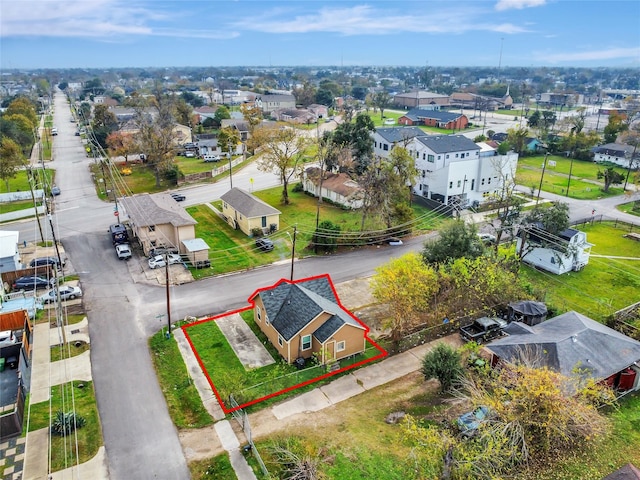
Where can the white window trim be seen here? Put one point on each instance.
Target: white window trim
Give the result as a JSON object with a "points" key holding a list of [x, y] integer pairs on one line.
{"points": [[341, 346], [302, 343], [280, 340]]}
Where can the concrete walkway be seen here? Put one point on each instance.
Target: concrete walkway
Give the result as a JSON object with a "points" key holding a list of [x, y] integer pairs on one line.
{"points": [[249, 350], [44, 375]]}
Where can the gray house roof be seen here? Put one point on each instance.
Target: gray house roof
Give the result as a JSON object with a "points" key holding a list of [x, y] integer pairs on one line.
{"points": [[248, 205], [571, 341], [448, 143], [291, 306], [398, 134], [418, 114], [145, 210]]}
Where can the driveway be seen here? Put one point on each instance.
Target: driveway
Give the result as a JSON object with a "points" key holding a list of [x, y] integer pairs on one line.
{"points": [[244, 343]]}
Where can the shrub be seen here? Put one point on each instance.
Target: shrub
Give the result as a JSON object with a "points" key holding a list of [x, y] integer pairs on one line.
{"points": [[65, 423], [443, 363]]}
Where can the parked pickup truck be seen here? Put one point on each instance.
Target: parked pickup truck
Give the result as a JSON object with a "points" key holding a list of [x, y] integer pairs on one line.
{"points": [[124, 251], [482, 330]]}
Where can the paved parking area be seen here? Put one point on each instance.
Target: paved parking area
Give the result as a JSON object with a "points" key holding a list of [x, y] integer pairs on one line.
{"points": [[245, 344]]}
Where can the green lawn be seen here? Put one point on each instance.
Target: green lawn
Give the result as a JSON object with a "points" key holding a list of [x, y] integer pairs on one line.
{"points": [[60, 352], [21, 184], [229, 376], [231, 250], [583, 174], [604, 286], [632, 207], [89, 436], [185, 407]]}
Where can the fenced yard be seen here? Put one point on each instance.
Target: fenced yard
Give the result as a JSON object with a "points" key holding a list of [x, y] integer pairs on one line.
{"points": [[249, 386]]}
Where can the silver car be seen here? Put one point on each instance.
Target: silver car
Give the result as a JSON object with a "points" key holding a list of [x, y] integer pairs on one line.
{"points": [[66, 293]]}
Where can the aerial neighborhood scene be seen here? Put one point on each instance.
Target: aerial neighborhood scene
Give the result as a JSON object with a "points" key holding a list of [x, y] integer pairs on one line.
{"points": [[320, 240]]}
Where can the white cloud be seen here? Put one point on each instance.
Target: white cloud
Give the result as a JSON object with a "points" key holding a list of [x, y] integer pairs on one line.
{"points": [[518, 4], [592, 55], [366, 20]]}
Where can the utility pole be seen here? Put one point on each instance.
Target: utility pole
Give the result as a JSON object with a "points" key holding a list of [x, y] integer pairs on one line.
{"points": [[230, 167], [544, 167], [166, 281], [293, 248]]}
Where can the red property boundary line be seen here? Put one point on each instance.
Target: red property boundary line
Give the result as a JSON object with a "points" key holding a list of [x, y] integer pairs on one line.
{"points": [[383, 353]]}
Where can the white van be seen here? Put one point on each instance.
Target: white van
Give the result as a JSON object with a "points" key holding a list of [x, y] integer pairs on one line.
{"points": [[210, 157]]}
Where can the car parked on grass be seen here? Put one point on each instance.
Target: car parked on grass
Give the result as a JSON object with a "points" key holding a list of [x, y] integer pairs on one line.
{"points": [[32, 282], [157, 261], [66, 293], [264, 244], [210, 158]]}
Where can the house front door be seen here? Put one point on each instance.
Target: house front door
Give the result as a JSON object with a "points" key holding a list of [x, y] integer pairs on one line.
{"points": [[330, 351]]}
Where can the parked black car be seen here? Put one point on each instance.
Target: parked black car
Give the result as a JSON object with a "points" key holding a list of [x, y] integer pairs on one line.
{"points": [[178, 197], [45, 262], [264, 244], [32, 283]]}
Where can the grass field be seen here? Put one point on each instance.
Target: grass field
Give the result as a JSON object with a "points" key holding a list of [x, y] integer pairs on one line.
{"points": [[584, 177], [89, 436]]}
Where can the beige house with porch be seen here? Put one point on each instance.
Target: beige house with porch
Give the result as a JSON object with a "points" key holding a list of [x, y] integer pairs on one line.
{"points": [[244, 211]]}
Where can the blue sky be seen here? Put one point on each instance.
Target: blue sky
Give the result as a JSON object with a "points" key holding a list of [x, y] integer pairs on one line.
{"points": [[156, 33]]}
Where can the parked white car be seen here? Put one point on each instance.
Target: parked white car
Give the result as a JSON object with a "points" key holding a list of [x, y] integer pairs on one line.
{"points": [[66, 293], [157, 261], [174, 258]]}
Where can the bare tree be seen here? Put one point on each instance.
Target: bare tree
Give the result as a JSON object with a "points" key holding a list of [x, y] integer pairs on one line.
{"points": [[281, 151]]}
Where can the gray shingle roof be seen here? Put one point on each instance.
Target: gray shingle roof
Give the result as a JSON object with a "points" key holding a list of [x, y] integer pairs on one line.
{"points": [[145, 210], [398, 134], [571, 341], [418, 114], [290, 307], [248, 205], [448, 143]]}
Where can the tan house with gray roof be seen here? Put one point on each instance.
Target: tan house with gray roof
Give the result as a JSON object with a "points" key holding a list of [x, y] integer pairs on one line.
{"points": [[158, 221], [245, 212]]}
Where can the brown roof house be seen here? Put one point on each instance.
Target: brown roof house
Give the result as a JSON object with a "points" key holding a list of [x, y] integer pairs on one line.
{"points": [[158, 221], [339, 188], [245, 212], [305, 317]]}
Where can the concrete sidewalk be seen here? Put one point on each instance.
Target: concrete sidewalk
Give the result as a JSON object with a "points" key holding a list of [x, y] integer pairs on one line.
{"points": [[44, 375]]}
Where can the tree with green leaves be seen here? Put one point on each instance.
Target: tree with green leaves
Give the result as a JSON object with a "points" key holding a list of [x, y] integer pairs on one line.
{"points": [[326, 236], [11, 160], [357, 137], [381, 100], [228, 139], [23, 106], [517, 137], [614, 127], [406, 284], [456, 239], [554, 219], [610, 177], [444, 363], [222, 113], [104, 123]]}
